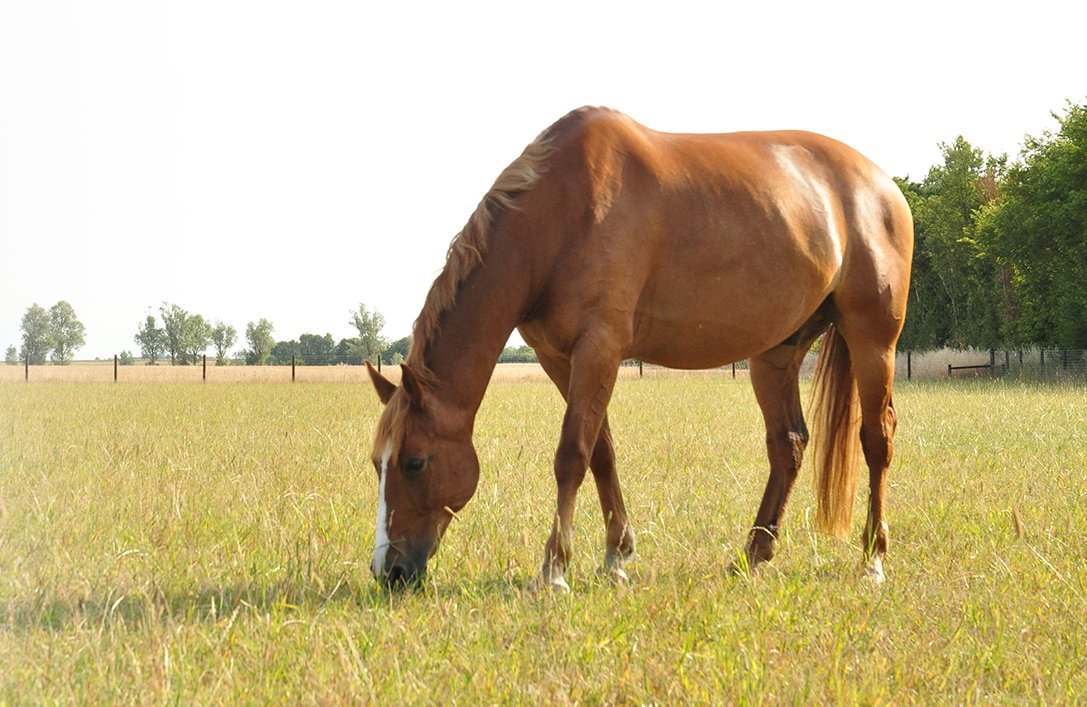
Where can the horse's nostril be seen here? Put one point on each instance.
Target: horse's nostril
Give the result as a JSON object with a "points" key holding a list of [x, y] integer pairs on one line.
{"points": [[397, 577], [400, 577]]}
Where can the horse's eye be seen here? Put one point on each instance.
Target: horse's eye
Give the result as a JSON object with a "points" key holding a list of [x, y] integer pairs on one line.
{"points": [[413, 466]]}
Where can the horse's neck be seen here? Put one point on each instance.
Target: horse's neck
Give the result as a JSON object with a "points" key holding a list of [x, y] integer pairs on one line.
{"points": [[463, 353]]}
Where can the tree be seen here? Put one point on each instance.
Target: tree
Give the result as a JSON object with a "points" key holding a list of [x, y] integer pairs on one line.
{"points": [[125, 358], [196, 335], [397, 351], [185, 336], [1037, 230], [151, 339], [316, 350], [173, 329], [259, 336], [66, 332], [283, 353], [348, 352], [12, 356], [369, 325], [518, 354], [955, 294], [36, 335], [223, 336]]}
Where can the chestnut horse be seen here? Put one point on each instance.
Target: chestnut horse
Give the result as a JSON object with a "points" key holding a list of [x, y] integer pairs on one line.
{"points": [[606, 240]]}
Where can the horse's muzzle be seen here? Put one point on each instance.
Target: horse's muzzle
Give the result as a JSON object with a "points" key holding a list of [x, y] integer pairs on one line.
{"points": [[403, 571], [399, 577]]}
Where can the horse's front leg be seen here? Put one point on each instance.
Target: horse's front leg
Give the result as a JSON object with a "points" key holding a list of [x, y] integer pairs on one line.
{"points": [[591, 381]]}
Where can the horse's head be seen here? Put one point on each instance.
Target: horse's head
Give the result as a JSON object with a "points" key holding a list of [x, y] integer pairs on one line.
{"points": [[427, 470]]}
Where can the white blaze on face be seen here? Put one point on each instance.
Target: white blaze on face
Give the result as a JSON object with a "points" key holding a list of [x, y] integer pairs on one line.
{"points": [[381, 535]]}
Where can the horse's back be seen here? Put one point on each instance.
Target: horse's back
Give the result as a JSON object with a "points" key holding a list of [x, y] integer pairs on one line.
{"points": [[719, 246]]}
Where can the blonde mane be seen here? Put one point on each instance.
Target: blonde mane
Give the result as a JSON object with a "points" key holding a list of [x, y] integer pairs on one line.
{"points": [[468, 247]]}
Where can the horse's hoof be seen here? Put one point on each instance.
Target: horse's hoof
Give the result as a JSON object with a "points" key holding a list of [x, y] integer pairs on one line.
{"points": [[872, 571], [615, 575], [740, 567], [556, 585]]}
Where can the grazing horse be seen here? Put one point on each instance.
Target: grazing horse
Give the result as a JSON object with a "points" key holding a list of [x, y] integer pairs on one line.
{"points": [[606, 240]]}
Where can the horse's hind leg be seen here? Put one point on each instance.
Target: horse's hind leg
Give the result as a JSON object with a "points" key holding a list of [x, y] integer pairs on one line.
{"points": [[875, 376], [873, 368], [774, 377]]}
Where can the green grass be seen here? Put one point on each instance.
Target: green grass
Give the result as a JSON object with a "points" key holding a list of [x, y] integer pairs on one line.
{"points": [[210, 544]]}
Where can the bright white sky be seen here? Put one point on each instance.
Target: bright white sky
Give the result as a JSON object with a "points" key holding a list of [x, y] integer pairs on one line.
{"points": [[290, 160]]}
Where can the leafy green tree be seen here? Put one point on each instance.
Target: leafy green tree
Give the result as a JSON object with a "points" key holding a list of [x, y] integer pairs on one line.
{"points": [[283, 352], [955, 292], [125, 358], [36, 335], [317, 350], [1038, 231], [151, 340], [196, 338], [11, 356], [66, 332], [369, 323], [397, 351], [223, 336], [518, 354], [259, 336], [173, 329], [348, 352]]}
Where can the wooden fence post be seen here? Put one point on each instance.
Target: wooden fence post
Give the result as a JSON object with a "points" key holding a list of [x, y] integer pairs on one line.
{"points": [[26, 369], [909, 365], [205, 371], [639, 368], [292, 368], [949, 370], [114, 368], [733, 370]]}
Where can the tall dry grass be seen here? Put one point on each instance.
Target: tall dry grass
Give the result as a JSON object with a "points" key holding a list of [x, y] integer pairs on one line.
{"points": [[184, 543]]}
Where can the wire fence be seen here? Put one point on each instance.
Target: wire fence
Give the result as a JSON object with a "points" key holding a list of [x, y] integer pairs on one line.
{"points": [[1025, 364]]}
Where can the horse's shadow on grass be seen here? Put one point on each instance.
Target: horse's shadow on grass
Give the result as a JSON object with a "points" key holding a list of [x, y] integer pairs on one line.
{"points": [[294, 597], [282, 598]]}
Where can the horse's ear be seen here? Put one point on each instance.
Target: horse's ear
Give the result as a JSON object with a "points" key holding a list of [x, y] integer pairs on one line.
{"points": [[412, 387], [382, 385]]}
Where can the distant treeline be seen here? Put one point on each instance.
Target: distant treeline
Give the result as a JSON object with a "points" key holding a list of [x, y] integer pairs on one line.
{"points": [[184, 337]]}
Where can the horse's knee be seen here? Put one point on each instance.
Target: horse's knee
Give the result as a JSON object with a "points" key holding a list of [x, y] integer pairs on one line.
{"points": [[571, 463]]}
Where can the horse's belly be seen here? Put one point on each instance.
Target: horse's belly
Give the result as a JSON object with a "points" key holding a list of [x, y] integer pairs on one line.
{"points": [[703, 345], [710, 328]]}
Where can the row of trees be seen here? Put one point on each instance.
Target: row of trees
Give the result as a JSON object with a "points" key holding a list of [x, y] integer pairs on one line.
{"points": [[184, 337], [1000, 253], [55, 334]]}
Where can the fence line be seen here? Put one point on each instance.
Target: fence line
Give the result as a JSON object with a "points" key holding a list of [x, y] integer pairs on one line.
{"points": [[1047, 364]]}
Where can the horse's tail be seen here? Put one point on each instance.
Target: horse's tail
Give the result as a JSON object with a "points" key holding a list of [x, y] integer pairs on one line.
{"points": [[835, 435]]}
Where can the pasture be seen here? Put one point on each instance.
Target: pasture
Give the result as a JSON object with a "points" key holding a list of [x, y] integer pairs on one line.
{"points": [[165, 542]]}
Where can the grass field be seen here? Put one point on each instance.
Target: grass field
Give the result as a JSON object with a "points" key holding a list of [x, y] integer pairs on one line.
{"points": [[210, 544]]}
